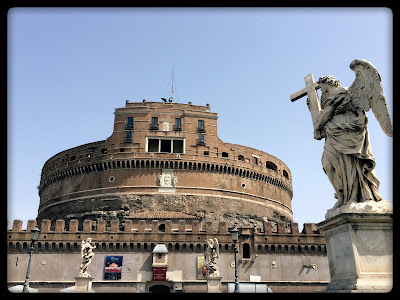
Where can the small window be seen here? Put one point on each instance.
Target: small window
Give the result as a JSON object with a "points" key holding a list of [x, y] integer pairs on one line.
{"points": [[255, 160], [103, 151], [200, 140], [270, 165], [246, 250], [72, 158], [178, 124], [207, 153], [154, 123], [201, 127], [129, 124], [285, 173], [128, 137], [225, 154], [241, 157]]}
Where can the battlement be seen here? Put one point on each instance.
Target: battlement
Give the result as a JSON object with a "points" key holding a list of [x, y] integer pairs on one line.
{"points": [[180, 236]]}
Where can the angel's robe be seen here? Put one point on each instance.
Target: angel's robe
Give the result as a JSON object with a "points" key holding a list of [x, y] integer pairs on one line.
{"points": [[347, 148]]}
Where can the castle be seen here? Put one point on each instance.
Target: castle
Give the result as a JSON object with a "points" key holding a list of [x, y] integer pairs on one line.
{"points": [[164, 177]]}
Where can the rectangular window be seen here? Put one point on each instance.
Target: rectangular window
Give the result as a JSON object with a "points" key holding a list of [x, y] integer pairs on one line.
{"points": [[200, 140], [128, 137], [178, 124], [129, 124], [166, 146], [154, 123], [200, 127], [255, 160], [178, 146], [153, 145]]}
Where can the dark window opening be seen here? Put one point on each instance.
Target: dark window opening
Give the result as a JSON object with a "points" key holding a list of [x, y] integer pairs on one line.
{"points": [[128, 137], [161, 227], [285, 173], [246, 250], [225, 154], [200, 140], [154, 123], [129, 124], [270, 165], [178, 146], [200, 127], [255, 160], [241, 157], [153, 145], [166, 146], [103, 151], [178, 124], [72, 158], [206, 152]]}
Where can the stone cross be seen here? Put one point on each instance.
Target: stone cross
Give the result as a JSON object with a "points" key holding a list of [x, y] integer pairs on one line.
{"points": [[311, 92]]}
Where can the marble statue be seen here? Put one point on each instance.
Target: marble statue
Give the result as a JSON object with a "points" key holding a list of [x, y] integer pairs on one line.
{"points": [[340, 117], [87, 257], [210, 255]]}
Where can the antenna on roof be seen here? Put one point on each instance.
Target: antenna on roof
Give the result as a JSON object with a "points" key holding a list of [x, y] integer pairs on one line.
{"points": [[172, 93], [172, 89]]}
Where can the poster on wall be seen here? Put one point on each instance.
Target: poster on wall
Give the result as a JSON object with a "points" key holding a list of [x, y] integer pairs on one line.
{"points": [[113, 267], [201, 269]]}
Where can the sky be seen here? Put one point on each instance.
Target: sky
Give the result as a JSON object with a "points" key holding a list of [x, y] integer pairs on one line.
{"points": [[69, 68]]}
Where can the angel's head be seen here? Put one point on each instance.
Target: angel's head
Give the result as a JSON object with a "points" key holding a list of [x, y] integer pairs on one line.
{"points": [[328, 83], [329, 80]]}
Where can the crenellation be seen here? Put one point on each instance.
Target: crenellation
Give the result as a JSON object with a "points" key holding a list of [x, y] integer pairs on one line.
{"points": [[45, 225], [60, 226], [87, 226], [114, 226], [281, 228], [17, 225], [101, 225], [73, 225]]}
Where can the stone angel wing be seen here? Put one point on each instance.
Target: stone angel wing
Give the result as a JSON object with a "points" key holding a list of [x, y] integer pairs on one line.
{"points": [[216, 245], [367, 92]]}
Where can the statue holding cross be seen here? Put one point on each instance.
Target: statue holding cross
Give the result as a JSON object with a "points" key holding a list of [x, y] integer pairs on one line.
{"points": [[341, 118]]}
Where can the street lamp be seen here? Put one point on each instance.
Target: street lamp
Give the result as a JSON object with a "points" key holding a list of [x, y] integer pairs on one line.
{"points": [[34, 237], [235, 238]]}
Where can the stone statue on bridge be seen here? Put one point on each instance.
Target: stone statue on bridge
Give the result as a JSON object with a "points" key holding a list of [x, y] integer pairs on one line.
{"points": [[87, 257], [341, 118]]}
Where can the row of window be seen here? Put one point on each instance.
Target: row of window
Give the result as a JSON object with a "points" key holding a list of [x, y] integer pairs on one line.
{"points": [[177, 126]]}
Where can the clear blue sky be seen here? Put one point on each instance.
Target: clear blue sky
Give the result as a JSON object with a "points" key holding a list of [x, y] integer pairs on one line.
{"points": [[69, 68]]}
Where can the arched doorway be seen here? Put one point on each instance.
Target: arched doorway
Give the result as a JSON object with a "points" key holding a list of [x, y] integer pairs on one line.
{"points": [[159, 288]]}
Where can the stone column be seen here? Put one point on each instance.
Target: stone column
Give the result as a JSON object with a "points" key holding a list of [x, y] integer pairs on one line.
{"points": [[360, 251]]}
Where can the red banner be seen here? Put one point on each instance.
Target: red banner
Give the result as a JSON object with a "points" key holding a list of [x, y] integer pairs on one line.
{"points": [[159, 273]]}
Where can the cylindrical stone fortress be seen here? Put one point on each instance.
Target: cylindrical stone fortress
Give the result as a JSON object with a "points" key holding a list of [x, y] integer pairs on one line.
{"points": [[165, 157]]}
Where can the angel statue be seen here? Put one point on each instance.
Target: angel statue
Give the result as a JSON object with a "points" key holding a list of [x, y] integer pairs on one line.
{"points": [[87, 256], [211, 253], [347, 157]]}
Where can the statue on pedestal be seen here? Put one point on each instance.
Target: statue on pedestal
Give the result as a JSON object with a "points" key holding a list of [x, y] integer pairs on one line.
{"points": [[87, 257], [341, 118], [210, 255]]}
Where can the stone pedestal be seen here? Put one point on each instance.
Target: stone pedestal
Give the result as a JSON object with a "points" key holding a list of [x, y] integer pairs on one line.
{"points": [[360, 251], [83, 285], [214, 284]]}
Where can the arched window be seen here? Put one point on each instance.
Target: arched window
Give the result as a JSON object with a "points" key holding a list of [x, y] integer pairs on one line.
{"points": [[241, 157], [286, 174], [270, 165], [246, 250], [161, 227]]}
